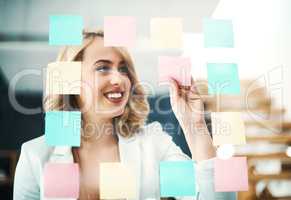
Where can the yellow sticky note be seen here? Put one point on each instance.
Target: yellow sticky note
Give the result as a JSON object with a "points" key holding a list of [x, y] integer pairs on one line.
{"points": [[118, 181], [166, 32], [63, 78], [228, 128]]}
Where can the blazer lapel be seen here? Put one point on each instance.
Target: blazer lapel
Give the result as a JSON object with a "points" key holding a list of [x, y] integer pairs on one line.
{"points": [[59, 155], [62, 155], [129, 152]]}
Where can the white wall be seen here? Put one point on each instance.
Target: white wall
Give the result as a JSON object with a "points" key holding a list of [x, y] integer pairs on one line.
{"points": [[262, 31]]}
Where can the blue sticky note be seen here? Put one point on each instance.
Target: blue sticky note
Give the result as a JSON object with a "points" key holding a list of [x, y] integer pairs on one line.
{"points": [[218, 33], [65, 30], [63, 128], [223, 78], [177, 179]]}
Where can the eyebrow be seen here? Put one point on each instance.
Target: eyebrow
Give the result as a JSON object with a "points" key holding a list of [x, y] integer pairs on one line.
{"points": [[103, 61], [109, 61]]}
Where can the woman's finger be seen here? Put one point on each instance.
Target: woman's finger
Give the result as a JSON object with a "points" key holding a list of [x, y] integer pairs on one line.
{"points": [[174, 88], [189, 95], [193, 96], [193, 86], [184, 87], [183, 92]]}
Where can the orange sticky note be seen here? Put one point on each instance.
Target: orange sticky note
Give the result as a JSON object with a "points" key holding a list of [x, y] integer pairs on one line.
{"points": [[119, 31], [178, 68], [228, 128], [118, 181], [231, 175], [63, 78], [61, 180], [166, 32]]}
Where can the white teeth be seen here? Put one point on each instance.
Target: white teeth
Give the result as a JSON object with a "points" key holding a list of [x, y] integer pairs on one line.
{"points": [[114, 95]]}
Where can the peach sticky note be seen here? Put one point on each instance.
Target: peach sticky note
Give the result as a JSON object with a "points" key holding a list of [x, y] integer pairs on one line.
{"points": [[61, 180], [178, 68], [118, 181], [119, 31], [166, 32], [228, 128], [63, 78], [231, 175]]}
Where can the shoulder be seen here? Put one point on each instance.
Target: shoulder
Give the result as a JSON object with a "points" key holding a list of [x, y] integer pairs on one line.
{"points": [[36, 148], [34, 144], [34, 153]]}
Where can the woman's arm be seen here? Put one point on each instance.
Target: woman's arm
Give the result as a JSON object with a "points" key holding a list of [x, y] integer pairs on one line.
{"points": [[205, 181], [204, 171], [189, 111]]}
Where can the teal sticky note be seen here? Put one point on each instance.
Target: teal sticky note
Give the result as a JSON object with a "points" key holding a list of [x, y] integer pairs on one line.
{"points": [[177, 179], [63, 128], [218, 33], [65, 30], [223, 78]]}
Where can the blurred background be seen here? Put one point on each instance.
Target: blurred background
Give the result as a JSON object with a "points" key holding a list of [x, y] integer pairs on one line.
{"points": [[262, 30]]}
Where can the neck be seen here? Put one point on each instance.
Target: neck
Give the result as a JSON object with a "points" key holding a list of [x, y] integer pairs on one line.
{"points": [[97, 132]]}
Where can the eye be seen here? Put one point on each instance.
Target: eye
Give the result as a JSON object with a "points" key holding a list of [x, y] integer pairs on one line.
{"points": [[103, 68], [123, 70]]}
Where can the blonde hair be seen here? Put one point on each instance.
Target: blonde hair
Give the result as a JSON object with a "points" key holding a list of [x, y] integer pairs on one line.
{"points": [[137, 107]]}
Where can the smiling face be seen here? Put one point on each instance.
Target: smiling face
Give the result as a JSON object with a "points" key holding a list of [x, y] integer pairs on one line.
{"points": [[105, 75]]}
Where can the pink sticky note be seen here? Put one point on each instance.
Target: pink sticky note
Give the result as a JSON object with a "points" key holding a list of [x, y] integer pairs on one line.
{"points": [[119, 31], [231, 174], [61, 180], [178, 68]]}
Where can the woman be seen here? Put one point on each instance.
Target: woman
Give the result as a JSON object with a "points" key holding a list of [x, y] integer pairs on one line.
{"points": [[114, 109]]}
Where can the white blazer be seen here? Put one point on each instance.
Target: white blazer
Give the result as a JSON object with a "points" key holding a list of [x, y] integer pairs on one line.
{"points": [[146, 149]]}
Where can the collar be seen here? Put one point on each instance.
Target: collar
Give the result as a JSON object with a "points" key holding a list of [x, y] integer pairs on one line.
{"points": [[64, 153]]}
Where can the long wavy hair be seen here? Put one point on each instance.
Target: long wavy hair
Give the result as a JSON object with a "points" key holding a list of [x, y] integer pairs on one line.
{"points": [[137, 107]]}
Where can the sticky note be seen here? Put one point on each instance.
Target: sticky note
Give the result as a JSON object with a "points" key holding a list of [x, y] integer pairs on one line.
{"points": [[231, 175], [61, 180], [223, 78], [63, 128], [228, 128], [118, 181], [218, 33], [177, 179], [178, 68], [63, 78], [166, 32], [119, 31], [65, 30]]}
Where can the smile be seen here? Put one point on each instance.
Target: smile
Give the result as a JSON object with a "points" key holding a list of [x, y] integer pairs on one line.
{"points": [[114, 97]]}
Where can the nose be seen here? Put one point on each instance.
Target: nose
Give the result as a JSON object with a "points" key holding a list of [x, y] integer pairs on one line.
{"points": [[115, 78]]}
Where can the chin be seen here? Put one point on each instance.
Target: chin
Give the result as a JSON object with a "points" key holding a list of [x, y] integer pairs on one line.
{"points": [[118, 113], [112, 113]]}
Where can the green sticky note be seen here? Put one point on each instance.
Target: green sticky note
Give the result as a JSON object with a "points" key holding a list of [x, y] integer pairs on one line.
{"points": [[177, 179], [218, 33], [223, 78], [65, 30], [63, 128]]}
